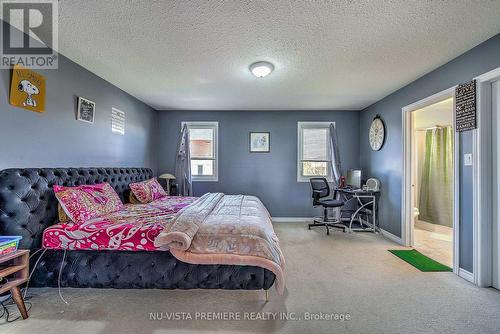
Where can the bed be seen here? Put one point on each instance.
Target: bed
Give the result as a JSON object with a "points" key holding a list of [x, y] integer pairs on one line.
{"points": [[132, 228], [28, 208]]}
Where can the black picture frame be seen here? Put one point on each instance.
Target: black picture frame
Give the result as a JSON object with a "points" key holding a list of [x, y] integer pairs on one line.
{"points": [[85, 110], [251, 142]]}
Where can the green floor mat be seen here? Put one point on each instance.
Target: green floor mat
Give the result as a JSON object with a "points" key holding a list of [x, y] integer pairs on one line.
{"points": [[419, 261]]}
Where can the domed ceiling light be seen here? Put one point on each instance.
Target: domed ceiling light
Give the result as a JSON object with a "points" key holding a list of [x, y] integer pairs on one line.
{"points": [[261, 68]]}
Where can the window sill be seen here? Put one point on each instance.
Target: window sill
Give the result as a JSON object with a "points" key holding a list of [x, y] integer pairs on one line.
{"points": [[304, 180], [205, 180]]}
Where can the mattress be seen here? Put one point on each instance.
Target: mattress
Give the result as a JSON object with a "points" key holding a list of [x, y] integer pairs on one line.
{"points": [[133, 228]]}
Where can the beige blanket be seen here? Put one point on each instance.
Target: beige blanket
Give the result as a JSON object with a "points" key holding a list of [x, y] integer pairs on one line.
{"points": [[225, 229]]}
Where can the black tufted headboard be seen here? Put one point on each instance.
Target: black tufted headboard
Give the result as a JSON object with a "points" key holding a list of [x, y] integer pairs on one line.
{"points": [[28, 204]]}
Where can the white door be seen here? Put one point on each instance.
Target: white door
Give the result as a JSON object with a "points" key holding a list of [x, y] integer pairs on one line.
{"points": [[496, 183]]}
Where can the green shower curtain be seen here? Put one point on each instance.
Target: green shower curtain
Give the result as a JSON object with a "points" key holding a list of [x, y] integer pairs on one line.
{"points": [[436, 189]]}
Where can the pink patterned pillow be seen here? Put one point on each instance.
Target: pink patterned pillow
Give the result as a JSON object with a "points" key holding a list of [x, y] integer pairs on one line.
{"points": [[86, 202], [147, 191]]}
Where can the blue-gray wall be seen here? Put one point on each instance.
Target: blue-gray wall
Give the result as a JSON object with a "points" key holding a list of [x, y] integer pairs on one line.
{"points": [[270, 176], [56, 139], [387, 163]]}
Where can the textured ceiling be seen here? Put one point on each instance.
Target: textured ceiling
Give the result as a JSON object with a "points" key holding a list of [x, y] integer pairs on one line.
{"points": [[327, 54]]}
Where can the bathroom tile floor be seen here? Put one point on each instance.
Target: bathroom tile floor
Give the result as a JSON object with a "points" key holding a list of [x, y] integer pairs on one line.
{"points": [[435, 242]]}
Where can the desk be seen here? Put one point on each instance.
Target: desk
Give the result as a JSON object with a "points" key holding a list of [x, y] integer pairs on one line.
{"points": [[363, 200]]}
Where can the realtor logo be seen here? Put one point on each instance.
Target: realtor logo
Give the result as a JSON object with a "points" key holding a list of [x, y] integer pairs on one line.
{"points": [[29, 33]]}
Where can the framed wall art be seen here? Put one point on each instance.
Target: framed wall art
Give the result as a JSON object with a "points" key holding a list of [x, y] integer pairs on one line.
{"points": [[27, 89], [260, 142], [86, 110]]}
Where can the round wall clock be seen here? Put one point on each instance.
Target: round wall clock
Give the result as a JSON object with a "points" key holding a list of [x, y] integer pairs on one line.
{"points": [[377, 133]]}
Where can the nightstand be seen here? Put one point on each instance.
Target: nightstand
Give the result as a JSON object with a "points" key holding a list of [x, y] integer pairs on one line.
{"points": [[15, 268]]}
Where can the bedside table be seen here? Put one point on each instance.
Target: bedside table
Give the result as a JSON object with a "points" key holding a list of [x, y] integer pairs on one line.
{"points": [[15, 268]]}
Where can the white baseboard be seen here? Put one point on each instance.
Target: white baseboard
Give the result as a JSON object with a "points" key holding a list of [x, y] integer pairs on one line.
{"points": [[292, 219], [392, 237], [466, 275]]}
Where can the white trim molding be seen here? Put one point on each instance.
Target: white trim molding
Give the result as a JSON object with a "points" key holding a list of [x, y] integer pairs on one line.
{"points": [[456, 199], [476, 195], [407, 214], [483, 174], [300, 136], [466, 275], [391, 237], [214, 126], [305, 220], [490, 76]]}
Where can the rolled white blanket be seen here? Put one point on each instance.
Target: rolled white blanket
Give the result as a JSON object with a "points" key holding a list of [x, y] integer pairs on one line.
{"points": [[225, 229], [180, 234]]}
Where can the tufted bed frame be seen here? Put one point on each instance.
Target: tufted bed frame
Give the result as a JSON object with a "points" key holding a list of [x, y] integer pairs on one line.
{"points": [[28, 206]]}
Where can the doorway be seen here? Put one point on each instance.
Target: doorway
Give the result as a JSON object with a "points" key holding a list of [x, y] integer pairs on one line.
{"points": [[432, 174], [429, 223]]}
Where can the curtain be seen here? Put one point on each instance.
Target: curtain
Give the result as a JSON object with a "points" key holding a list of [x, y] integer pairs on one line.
{"points": [[183, 165], [436, 189], [334, 155]]}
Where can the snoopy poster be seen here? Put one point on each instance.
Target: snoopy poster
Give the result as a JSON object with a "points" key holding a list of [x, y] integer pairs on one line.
{"points": [[27, 89]]}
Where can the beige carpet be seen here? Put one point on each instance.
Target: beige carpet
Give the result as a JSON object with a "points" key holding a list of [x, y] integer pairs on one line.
{"points": [[342, 273]]}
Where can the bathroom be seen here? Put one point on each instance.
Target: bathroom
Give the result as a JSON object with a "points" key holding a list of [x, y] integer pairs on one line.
{"points": [[432, 174]]}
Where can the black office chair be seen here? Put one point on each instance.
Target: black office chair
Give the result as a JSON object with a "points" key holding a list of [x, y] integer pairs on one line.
{"points": [[320, 192]]}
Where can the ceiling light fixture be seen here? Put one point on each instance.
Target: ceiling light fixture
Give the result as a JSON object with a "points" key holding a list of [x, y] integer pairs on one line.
{"points": [[261, 68]]}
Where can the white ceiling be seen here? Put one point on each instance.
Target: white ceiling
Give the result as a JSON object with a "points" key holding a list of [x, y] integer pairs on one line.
{"points": [[327, 54], [440, 114]]}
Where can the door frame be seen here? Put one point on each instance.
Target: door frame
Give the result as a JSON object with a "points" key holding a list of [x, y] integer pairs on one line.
{"points": [[495, 242], [407, 219], [483, 173]]}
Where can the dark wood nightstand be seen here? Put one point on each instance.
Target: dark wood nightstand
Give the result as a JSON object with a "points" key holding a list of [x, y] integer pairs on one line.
{"points": [[15, 268]]}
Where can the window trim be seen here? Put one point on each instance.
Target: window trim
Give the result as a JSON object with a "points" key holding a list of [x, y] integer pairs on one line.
{"points": [[215, 127], [310, 125]]}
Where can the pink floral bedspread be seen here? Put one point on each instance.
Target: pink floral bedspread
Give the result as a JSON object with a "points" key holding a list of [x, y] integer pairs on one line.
{"points": [[132, 228]]}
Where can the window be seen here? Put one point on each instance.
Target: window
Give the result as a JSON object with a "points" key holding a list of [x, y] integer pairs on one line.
{"points": [[313, 154], [203, 150]]}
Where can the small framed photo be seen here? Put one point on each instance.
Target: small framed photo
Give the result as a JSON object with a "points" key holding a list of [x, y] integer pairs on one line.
{"points": [[86, 110], [260, 142]]}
